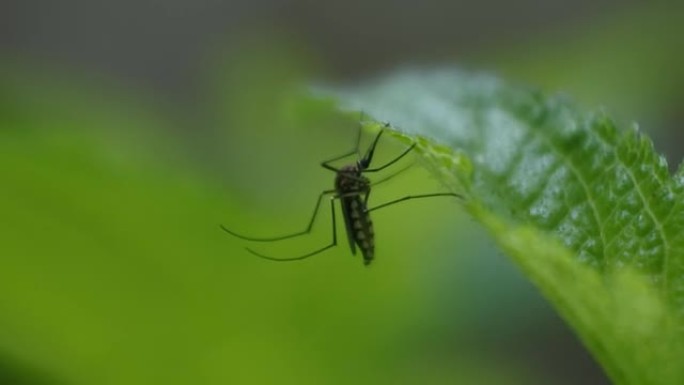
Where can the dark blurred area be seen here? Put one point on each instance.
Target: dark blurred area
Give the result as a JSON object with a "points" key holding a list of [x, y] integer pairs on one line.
{"points": [[163, 43], [207, 71], [614, 54]]}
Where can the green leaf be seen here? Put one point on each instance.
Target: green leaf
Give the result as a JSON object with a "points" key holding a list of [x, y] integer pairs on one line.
{"points": [[587, 210]]}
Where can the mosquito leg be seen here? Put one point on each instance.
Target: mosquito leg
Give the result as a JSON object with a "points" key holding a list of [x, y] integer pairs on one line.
{"points": [[408, 197], [303, 232], [311, 254], [391, 162], [385, 179], [326, 163]]}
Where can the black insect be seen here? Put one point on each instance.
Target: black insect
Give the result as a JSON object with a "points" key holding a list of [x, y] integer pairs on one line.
{"points": [[352, 189]]}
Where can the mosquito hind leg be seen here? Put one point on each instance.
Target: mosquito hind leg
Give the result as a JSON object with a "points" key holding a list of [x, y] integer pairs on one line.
{"points": [[287, 236], [409, 197], [311, 254]]}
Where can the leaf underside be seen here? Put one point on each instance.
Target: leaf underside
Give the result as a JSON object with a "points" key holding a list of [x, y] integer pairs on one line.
{"points": [[589, 211]]}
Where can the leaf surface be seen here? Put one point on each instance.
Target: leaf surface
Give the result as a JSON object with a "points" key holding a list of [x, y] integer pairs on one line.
{"points": [[587, 209]]}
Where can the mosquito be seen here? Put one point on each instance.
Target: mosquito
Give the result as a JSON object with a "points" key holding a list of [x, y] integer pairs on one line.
{"points": [[352, 190]]}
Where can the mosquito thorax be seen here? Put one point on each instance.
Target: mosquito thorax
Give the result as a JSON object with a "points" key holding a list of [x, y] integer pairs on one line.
{"points": [[350, 179]]}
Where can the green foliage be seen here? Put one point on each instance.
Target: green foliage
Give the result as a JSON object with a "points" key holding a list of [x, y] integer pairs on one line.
{"points": [[113, 269], [588, 211]]}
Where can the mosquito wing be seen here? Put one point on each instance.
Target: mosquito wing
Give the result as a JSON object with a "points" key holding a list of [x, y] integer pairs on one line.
{"points": [[348, 221]]}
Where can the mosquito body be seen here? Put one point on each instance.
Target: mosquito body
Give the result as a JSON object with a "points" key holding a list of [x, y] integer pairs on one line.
{"points": [[352, 189]]}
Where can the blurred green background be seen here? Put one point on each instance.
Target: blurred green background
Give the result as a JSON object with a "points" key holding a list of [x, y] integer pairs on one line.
{"points": [[130, 130]]}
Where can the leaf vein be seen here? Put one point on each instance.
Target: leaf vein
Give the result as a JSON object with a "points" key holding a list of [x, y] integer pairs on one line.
{"points": [[580, 178]]}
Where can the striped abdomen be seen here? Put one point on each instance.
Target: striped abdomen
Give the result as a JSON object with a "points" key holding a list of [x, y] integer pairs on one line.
{"points": [[359, 227]]}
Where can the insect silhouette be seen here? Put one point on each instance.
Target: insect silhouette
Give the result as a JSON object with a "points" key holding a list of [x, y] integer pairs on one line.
{"points": [[352, 189]]}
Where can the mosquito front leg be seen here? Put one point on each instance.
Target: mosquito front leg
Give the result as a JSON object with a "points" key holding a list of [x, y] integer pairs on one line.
{"points": [[326, 163], [391, 162]]}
